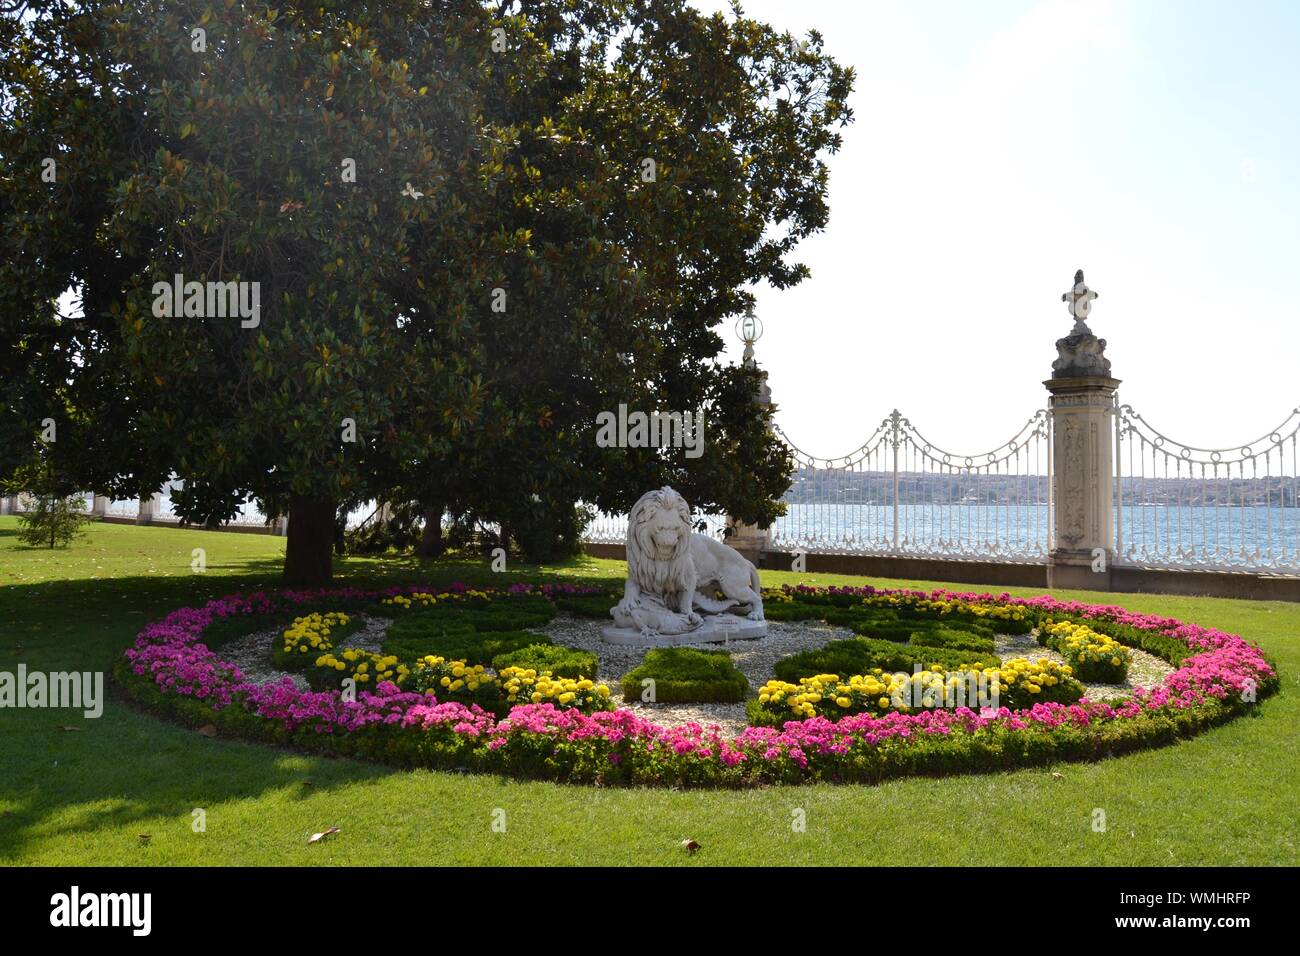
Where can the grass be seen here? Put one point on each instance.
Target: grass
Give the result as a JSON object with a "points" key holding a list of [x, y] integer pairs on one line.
{"points": [[85, 796]]}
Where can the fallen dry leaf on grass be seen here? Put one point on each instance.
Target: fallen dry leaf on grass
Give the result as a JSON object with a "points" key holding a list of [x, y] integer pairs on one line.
{"points": [[68, 727], [208, 730], [317, 837]]}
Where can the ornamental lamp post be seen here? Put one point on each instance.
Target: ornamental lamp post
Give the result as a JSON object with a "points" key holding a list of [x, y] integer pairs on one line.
{"points": [[749, 330], [750, 540]]}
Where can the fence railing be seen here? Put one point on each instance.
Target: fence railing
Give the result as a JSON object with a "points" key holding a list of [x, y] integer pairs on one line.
{"points": [[1229, 509], [1173, 506], [133, 508], [900, 494], [612, 528]]}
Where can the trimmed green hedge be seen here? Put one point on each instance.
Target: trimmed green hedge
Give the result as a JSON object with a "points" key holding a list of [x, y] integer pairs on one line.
{"points": [[560, 661], [826, 599], [954, 640], [515, 614], [414, 637], [899, 632], [861, 655], [792, 611], [594, 606], [686, 675]]}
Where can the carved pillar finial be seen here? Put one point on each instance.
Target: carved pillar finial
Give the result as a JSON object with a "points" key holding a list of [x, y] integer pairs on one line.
{"points": [[1079, 301], [1080, 353]]}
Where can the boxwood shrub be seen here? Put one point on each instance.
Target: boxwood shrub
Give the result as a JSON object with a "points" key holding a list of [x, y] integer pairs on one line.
{"points": [[792, 611], [687, 675], [953, 639], [412, 638], [898, 631], [591, 605], [978, 627], [861, 655], [513, 614], [560, 661]]}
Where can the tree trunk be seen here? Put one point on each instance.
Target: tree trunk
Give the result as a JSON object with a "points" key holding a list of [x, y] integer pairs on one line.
{"points": [[431, 544], [308, 554]]}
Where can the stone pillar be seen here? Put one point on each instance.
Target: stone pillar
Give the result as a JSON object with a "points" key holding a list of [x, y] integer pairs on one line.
{"points": [[750, 540], [1083, 473], [100, 508], [280, 526], [6, 505], [149, 509]]}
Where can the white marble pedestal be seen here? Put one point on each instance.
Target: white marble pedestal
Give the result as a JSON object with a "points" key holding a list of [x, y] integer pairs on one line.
{"points": [[716, 629]]}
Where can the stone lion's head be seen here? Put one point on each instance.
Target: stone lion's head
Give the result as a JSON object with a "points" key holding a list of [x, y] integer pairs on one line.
{"points": [[658, 542]]}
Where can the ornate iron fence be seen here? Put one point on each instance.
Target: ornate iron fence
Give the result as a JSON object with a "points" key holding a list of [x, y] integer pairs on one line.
{"points": [[1228, 509], [900, 494], [612, 528]]}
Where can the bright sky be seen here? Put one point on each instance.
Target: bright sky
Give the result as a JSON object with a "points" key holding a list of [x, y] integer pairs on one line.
{"points": [[998, 147]]}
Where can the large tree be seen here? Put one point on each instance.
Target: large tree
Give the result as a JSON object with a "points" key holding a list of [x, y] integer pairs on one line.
{"points": [[473, 227]]}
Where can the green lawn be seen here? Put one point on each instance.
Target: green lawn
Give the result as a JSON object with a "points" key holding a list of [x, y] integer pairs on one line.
{"points": [[86, 796]]}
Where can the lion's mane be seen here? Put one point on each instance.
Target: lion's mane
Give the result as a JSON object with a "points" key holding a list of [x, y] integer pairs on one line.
{"points": [[653, 574]]}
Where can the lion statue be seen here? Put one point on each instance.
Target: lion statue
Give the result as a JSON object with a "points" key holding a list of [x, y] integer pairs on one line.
{"points": [[672, 573]]}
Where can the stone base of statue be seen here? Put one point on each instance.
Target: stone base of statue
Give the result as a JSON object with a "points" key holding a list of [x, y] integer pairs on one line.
{"points": [[715, 629]]}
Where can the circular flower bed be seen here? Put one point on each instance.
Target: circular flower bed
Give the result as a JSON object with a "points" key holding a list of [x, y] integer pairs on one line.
{"points": [[172, 671]]}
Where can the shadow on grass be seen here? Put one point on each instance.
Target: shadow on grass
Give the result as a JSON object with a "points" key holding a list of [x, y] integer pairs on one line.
{"points": [[127, 765], [127, 768]]}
